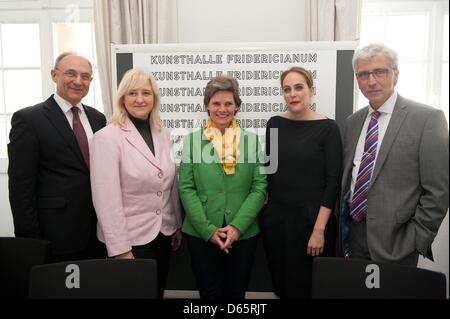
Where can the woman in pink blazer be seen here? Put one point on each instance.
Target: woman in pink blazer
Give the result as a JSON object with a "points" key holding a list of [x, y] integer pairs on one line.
{"points": [[133, 177]]}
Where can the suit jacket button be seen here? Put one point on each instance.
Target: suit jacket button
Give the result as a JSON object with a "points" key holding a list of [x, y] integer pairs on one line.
{"points": [[160, 174], [159, 193], [158, 212]]}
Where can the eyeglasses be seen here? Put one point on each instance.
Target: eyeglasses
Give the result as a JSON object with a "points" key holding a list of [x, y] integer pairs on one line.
{"points": [[71, 74], [377, 73]]}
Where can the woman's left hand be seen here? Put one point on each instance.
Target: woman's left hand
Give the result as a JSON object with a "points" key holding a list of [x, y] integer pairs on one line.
{"points": [[316, 243], [176, 240]]}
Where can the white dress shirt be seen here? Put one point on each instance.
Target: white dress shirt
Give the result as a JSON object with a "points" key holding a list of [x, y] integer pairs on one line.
{"points": [[66, 108], [383, 122]]}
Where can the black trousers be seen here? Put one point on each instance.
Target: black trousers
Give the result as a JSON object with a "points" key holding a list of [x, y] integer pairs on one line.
{"points": [[220, 275], [158, 249], [95, 249]]}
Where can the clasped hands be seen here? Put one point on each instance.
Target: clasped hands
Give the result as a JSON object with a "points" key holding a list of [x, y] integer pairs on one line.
{"points": [[224, 237]]}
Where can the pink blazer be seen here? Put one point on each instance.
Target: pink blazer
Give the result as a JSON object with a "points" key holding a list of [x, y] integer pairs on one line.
{"points": [[135, 193]]}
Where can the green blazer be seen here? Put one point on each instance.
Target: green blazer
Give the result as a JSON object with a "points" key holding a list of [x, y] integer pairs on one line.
{"points": [[209, 195]]}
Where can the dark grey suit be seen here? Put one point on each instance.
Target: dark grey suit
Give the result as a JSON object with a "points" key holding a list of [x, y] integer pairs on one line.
{"points": [[408, 195]]}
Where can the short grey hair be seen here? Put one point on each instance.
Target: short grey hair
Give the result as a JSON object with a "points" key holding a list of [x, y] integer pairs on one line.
{"points": [[222, 83], [69, 53], [371, 50]]}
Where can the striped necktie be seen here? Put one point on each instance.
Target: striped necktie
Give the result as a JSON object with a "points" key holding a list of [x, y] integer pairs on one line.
{"points": [[358, 206]]}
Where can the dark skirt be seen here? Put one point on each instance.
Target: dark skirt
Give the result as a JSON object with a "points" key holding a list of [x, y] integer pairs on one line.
{"points": [[286, 232]]}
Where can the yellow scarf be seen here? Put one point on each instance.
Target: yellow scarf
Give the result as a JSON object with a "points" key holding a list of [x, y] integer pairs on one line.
{"points": [[227, 145]]}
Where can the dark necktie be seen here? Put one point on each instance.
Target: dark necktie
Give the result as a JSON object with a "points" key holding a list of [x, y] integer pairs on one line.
{"points": [[358, 206], [80, 134]]}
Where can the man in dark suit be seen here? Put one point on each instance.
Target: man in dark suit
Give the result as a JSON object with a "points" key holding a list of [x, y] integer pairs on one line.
{"points": [[49, 183], [395, 190]]}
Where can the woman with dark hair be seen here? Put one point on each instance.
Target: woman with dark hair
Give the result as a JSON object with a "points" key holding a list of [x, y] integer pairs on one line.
{"points": [[222, 189], [298, 222]]}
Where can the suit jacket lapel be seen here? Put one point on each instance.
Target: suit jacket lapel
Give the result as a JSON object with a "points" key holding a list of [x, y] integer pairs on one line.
{"points": [[398, 116], [59, 121], [354, 133], [134, 138], [156, 138], [95, 125]]}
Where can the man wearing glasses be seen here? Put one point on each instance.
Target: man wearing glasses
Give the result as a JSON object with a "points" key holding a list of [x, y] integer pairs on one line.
{"points": [[49, 183], [395, 181]]}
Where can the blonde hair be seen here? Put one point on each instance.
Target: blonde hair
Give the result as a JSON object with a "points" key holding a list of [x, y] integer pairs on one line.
{"points": [[135, 79]]}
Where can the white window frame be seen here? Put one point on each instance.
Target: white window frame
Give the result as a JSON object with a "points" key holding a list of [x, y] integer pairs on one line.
{"points": [[44, 13], [436, 11]]}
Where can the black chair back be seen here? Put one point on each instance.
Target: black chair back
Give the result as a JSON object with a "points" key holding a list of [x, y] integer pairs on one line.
{"points": [[17, 256], [95, 279], [362, 279]]}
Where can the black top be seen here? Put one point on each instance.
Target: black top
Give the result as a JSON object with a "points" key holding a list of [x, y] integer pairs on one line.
{"points": [[309, 162], [143, 127]]}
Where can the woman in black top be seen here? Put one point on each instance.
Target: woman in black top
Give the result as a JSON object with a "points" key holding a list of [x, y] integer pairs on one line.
{"points": [[298, 222]]}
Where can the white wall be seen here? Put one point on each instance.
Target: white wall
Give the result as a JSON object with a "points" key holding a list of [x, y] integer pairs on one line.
{"points": [[237, 20], [440, 252]]}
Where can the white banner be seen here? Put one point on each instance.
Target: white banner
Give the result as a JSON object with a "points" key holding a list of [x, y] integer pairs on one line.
{"points": [[182, 71]]}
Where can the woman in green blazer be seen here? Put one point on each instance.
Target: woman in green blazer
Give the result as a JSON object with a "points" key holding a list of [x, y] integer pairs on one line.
{"points": [[222, 188]]}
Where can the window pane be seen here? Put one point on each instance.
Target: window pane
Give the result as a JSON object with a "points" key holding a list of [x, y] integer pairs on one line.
{"points": [[372, 29], [8, 126], [73, 37], [3, 151], [21, 45], [445, 42], [362, 101], [89, 99], [411, 81], [407, 35], [22, 88], [445, 72], [2, 97], [94, 96], [444, 89], [1, 43], [8, 129]]}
